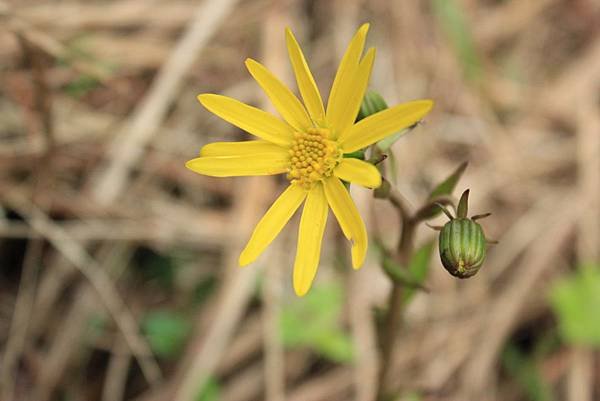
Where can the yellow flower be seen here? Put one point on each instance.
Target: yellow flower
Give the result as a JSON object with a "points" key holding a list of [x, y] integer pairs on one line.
{"points": [[309, 146]]}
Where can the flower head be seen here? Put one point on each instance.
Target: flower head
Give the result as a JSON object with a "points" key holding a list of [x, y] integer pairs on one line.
{"points": [[308, 145]]}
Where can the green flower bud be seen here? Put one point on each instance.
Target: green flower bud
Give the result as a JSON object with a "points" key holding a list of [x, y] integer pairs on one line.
{"points": [[462, 242], [462, 247]]}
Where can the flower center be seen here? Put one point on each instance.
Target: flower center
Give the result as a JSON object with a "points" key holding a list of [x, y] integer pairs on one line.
{"points": [[312, 157]]}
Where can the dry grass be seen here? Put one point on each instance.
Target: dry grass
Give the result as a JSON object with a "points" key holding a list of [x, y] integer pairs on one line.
{"points": [[98, 114]]}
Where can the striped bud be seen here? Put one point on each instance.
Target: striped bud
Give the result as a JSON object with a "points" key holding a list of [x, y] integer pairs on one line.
{"points": [[462, 247], [462, 241]]}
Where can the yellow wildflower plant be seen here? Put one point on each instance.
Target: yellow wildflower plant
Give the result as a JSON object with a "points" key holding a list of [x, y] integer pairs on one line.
{"points": [[308, 145]]}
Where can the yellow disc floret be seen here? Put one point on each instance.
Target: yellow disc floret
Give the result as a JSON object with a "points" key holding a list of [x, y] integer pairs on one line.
{"points": [[312, 157]]}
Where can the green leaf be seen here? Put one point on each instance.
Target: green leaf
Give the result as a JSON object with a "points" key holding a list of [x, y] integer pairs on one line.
{"points": [[576, 302], [335, 345], [166, 332], [415, 275], [156, 267], [204, 289], [526, 373], [444, 188], [398, 273], [97, 326], [456, 28], [210, 391], [78, 50], [314, 322], [412, 396], [447, 186], [419, 267], [81, 85]]}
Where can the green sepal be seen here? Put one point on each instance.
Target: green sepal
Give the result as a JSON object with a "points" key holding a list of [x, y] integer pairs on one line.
{"points": [[463, 206], [386, 143], [358, 154], [392, 161], [372, 103]]}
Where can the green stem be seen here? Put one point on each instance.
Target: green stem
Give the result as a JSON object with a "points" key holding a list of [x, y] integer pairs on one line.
{"points": [[395, 301]]}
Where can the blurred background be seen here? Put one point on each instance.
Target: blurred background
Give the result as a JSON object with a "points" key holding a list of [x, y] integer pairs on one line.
{"points": [[118, 267]]}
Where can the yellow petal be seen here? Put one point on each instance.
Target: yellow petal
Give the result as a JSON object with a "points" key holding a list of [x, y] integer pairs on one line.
{"points": [[358, 172], [344, 79], [379, 125], [250, 119], [310, 235], [286, 103], [272, 223], [235, 166], [243, 148], [306, 82], [348, 217], [354, 90]]}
